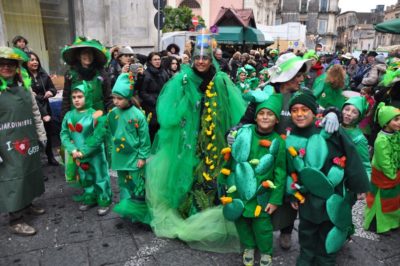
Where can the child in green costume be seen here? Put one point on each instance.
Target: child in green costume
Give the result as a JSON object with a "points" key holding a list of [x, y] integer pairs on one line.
{"points": [[256, 181], [82, 135], [241, 80], [383, 205], [322, 169], [130, 149], [353, 112]]}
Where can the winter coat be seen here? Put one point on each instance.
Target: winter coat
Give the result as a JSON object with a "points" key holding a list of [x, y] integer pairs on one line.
{"points": [[372, 77], [40, 85]]}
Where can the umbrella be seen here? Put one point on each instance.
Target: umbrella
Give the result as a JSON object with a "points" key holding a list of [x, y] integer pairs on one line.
{"points": [[389, 26]]}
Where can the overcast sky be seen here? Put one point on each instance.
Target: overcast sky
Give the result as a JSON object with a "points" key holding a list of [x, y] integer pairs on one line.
{"points": [[363, 5]]}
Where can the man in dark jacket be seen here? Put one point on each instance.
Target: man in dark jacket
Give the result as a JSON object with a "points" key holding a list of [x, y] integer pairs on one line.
{"points": [[223, 64]]}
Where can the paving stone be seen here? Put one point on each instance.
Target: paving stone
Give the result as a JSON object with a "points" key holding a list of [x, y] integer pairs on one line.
{"points": [[114, 226], [388, 245], [354, 254], [142, 261], [183, 257], [111, 250], [394, 261], [22, 259], [67, 255]]}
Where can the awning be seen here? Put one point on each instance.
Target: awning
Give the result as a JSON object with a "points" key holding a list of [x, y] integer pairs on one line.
{"points": [[254, 36], [389, 26], [229, 34]]}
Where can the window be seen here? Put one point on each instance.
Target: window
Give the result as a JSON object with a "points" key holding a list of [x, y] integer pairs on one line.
{"points": [[190, 4], [322, 26], [303, 6], [323, 5]]}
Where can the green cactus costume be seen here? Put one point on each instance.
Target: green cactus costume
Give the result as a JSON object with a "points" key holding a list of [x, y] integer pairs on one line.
{"points": [[256, 158], [181, 177], [322, 168], [130, 142], [84, 131]]}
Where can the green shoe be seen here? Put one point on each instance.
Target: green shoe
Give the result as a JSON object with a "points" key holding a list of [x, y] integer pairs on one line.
{"points": [[265, 260], [248, 257]]}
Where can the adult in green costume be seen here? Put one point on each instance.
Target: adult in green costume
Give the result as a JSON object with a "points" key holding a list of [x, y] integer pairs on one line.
{"points": [[383, 205], [130, 149], [322, 169], [256, 181], [82, 134], [87, 58], [21, 130], [195, 110]]}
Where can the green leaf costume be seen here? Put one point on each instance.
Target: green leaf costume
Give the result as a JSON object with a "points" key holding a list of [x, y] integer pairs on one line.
{"points": [[176, 186]]}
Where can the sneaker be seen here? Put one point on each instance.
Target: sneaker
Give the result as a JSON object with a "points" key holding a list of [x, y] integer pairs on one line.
{"points": [[265, 260], [32, 209], [103, 211], [248, 257], [22, 229], [85, 207], [285, 241]]}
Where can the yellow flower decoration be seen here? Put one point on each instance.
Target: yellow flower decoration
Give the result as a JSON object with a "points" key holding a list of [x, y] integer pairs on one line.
{"points": [[208, 118], [207, 176]]}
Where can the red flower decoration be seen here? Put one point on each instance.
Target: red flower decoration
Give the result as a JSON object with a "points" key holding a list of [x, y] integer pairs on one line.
{"points": [[318, 123], [340, 161], [71, 127], [78, 127], [302, 152], [136, 125], [84, 166]]}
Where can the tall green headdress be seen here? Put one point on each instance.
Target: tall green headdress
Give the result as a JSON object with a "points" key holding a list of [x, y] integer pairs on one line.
{"points": [[124, 86], [203, 46], [70, 53]]}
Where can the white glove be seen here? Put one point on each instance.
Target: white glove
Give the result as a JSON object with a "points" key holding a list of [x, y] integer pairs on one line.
{"points": [[330, 122], [231, 137]]}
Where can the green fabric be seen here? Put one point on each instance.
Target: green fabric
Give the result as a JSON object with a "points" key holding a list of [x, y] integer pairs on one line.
{"points": [[132, 203], [249, 69], [243, 86], [233, 210], [335, 239], [130, 138], [310, 54], [273, 103], [389, 26], [13, 54], [69, 52], [359, 102], [326, 95], [255, 233], [81, 132], [386, 113], [339, 212], [124, 86], [304, 97], [21, 178], [387, 154], [229, 34], [174, 182]]}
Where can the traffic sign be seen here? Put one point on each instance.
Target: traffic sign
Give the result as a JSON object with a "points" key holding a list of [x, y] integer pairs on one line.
{"points": [[162, 3], [162, 20], [195, 21]]}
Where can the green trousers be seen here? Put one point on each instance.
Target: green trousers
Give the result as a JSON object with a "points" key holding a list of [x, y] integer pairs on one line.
{"points": [[312, 244], [131, 185], [255, 233]]}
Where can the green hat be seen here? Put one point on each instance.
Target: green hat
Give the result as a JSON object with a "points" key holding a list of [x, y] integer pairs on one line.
{"points": [[311, 54], [13, 54], [359, 102], [274, 51], [203, 46], [240, 71], [286, 67], [305, 97], [84, 88], [249, 69], [124, 86], [386, 113], [70, 53], [273, 103]]}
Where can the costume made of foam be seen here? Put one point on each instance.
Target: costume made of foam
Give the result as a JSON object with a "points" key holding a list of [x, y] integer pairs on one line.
{"points": [[181, 188], [130, 143], [256, 177], [84, 131], [21, 175], [355, 133], [383, 203], [322, 169], [99, 91]]}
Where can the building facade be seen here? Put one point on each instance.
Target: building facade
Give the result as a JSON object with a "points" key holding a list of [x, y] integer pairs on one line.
{"points": [[319, 16], [264, 10], [386, 39]]}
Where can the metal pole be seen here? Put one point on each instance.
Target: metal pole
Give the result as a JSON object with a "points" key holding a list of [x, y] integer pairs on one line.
{"points": [[158, 25]]}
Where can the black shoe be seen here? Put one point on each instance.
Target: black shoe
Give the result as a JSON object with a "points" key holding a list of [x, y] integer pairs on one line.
{"points": [[52, 161]]}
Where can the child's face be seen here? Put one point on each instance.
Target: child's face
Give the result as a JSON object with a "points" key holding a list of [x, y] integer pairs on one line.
{"points": [[350, 114], [78, 99], [266, 120], [302, 116], [394, 124], [120, 102], [242, 76]]}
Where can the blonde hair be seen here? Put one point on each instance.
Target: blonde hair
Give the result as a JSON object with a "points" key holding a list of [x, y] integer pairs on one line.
{"points": [[236, 55], [336, 76]]}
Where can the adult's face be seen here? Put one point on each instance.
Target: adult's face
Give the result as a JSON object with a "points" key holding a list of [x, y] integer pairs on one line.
{"points": [[371, 59], [33, 64], [202, 63], [125, 59], [174, 65], [185, 59], [86, 57], [295, 82], [218, 55], [8, 68], [156, 61], [302, 116]]}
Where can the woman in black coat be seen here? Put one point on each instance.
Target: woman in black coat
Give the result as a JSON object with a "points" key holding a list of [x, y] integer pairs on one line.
{"points": [[149, 86], [44, 89]]}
